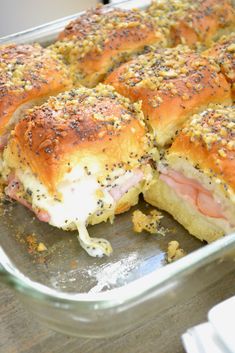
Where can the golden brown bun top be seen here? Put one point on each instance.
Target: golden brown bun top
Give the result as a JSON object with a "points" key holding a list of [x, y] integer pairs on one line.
{"points": [[208, 141], [224, 53], [100, 39], [96, 26], [173, 83], [188, 21], [28, 72], [76, 127]]}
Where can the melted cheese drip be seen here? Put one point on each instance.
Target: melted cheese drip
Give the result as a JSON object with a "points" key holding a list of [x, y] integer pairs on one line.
{"points": [[96, 247], [79, 201]]}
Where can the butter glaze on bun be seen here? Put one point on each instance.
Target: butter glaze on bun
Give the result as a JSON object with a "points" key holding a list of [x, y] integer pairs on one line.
{"points": [[99, 39], [82, 157], [195, 182], [189, 22], [173, 84], [223, 52], [28, 75]]}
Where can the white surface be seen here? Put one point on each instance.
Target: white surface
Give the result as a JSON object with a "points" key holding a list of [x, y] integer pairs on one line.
{"points": [[222, 318], [215, 336], [18, 15], [202, 339]]}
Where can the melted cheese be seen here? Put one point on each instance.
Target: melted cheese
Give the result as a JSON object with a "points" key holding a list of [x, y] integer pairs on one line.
{"points": [[79, 201]]}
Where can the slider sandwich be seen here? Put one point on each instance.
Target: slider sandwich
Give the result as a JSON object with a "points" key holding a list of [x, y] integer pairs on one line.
{"points": [[79, 159], [195, 182], [28, 75], [223, 52], [173, 84], [101, 38], [189, 22]]}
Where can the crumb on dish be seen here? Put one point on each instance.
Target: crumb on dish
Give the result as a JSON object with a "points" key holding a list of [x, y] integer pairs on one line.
{"points": [[174, 251], [41, 247], [150, 222]]}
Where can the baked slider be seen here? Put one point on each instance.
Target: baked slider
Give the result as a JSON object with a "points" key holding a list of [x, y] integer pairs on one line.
{"points": [[100, 39], [79, 159], [28, 75], [223, 52], [173, 84], [189, 22], [195, 182]]}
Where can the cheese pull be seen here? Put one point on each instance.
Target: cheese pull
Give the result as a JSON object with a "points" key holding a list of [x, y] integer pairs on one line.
{"points": [[95, 247]]}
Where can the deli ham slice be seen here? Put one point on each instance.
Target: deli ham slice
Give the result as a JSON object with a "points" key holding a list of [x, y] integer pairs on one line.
{"points": [[207, 205], [191, 190], [118, 191], [12, 191]]}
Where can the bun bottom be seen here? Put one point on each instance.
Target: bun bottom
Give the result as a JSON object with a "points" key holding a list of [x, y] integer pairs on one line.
{"points": [[162, 196]]}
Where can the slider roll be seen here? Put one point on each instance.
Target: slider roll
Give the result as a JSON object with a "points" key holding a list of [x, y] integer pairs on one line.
{"points": [[79, 159], [195, 182], [223, 52], [100, 39], [192, 22], [173, 84], [28, 75]]}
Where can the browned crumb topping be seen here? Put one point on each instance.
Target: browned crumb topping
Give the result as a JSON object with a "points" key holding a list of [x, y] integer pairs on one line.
{"points": [[77, 103], [85, 114], [163, 68], [24, 67], [94, 29], [213, 127], [169, 12], [174, 252], [150, 222], [224, 53]]}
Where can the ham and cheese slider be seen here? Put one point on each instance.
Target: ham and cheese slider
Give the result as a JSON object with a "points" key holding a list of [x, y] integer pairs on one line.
{"points": [[100, 39], [173, 84], [189, 22], [79, 159], [195, 182], [28, 75], [223, 52]]}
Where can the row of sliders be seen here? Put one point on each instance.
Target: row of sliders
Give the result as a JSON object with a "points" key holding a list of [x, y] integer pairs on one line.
{"points": [[85, 155]]}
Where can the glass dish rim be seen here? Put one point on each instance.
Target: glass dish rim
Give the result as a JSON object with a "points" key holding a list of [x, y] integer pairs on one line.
{"points": [[54, 26], [124, 294], [135, 289]]}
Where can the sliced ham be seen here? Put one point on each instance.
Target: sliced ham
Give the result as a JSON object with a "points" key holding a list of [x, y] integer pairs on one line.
{"points": [[207, 205], [12, 191], [193, 191], [118, 191], [186, 190], [181, 179]]}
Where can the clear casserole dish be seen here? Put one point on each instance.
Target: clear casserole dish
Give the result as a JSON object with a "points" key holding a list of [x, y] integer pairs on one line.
{"points": [[83, 296]]}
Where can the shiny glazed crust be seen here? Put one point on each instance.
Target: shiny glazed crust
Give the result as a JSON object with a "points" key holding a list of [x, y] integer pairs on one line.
{"points": [[223, 52], [207, 146], [28, 73], [208, 142], [94, 128], [100, 39], [172, 84], [188, 22]]}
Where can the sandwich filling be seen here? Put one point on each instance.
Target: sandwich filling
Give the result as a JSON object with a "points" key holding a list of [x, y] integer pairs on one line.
{"points": [[82, 196], [203, 199]]}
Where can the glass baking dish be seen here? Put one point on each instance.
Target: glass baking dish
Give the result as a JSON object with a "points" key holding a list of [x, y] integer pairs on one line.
{"points": [[83, 296]]}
